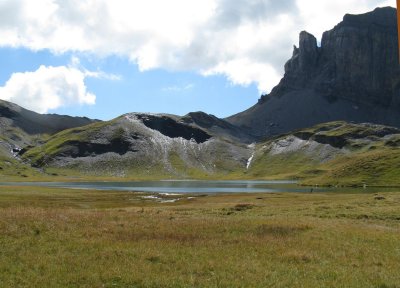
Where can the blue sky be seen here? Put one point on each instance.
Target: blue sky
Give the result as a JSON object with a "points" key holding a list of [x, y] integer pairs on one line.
{"points": [[157, 90], [104, 58]]}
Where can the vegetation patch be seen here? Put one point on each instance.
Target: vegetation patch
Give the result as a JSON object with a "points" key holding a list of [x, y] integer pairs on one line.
{"points": [[243, 207], [281, 230]]}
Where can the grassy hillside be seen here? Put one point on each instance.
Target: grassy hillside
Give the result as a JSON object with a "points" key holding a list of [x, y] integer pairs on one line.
{"points": [[40, 154], [374, 168], [336, 153]]}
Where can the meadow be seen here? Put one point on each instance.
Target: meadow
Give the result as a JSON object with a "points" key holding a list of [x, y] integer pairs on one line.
{"points": [[78, 238]]}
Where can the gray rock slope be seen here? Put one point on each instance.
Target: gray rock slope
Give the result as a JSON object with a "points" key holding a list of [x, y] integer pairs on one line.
{"points": [[146, 145]]}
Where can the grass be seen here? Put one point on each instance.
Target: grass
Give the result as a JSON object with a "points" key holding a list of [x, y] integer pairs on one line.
{"points": [[77, 238], [374, 168], [12, 169], [282, 166]]}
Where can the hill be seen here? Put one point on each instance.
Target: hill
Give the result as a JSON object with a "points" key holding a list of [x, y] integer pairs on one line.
{"points": [[334, 153], [138, 145]]}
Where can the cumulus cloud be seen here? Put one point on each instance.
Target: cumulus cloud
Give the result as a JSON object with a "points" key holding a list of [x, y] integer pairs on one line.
{"points": [[47, 88], [246, 40]]}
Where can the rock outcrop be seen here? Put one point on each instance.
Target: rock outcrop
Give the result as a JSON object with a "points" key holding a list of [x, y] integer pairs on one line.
{"points": [[353, 76]]}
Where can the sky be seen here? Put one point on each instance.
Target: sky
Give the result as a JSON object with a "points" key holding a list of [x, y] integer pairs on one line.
{"points": [[104, 58]]}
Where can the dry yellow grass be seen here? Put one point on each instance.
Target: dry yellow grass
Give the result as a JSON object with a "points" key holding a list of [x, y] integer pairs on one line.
{"points": [[68, 238]]}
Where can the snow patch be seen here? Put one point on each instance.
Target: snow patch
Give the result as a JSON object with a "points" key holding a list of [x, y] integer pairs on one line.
{"points": [[169, 201], [161, 200], [150, 197]]}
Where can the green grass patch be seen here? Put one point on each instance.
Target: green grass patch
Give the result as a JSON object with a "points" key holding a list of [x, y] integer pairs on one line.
{"points": [[41, 154], [373, 168], [282, 166]]}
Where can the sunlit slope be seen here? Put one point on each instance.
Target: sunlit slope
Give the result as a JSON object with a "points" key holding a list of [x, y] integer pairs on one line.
{"points": [[335, 153]]}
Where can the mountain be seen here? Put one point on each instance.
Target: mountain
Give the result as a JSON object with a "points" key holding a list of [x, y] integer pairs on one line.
{"points": [[353, 76], [161, 146], [139, 145], [201, 146]]}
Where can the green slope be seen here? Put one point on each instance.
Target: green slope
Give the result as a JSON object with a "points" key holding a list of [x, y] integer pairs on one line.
{"points": [[335, 153]]}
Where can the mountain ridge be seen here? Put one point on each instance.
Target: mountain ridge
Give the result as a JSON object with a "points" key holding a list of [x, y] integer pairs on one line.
{"points": [[34, 123]]}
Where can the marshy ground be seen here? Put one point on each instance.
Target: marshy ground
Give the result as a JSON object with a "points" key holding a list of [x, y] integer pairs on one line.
{"points": [[77, 238]]}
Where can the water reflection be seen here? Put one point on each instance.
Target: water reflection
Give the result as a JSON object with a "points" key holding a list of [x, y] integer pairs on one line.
{"points": [[194, 186]]}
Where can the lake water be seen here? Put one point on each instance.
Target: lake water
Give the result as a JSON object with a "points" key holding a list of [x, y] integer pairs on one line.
{"points": [[206, 187]]}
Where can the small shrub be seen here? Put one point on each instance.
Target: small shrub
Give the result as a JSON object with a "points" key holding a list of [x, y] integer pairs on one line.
{"points": [[243, 207], [299, 257], [281, 230], [154, 259]]}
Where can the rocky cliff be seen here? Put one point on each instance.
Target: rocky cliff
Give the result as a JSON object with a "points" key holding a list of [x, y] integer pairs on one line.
{"points": [[354, 76]]}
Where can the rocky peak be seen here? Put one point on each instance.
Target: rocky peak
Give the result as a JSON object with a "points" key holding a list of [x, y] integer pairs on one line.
{"points": [[357, 60], [304, 59], [353, 76], [308, 51]]}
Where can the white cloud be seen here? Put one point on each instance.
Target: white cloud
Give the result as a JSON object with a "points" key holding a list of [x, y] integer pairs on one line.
{"points": [[179, 88], [76, 64], [246, 40], [47, 88]]}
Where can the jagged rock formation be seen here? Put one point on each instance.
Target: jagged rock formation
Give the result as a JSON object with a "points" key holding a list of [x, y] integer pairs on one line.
{"points": [[353, 76]]}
